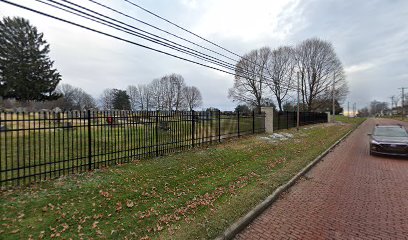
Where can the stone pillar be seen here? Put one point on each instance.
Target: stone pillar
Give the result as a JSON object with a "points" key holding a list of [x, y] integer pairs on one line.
{"points": [[329, 118], [268, 118]]}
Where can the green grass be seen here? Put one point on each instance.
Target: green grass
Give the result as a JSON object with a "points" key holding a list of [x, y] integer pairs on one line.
{"points": [[399, 118], [191, 195], [349, 120]]}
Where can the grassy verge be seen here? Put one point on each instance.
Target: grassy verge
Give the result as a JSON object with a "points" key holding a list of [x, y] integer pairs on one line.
{"points": [[190, 195], [349, 120], [399, 118]]}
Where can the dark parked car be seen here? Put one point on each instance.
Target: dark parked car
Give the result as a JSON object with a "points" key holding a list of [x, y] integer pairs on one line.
{"points": [[389, 140]]}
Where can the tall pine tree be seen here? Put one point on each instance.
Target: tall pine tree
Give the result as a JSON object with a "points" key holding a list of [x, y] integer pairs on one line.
{"points": [[26, 71], [121, 100]]}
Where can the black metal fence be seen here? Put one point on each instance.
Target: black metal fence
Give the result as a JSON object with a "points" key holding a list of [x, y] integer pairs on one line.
{"points": [[286, 120], [44, 145]]}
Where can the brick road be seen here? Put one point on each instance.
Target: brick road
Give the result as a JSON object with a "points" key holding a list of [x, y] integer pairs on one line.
{"points": [[348, 195]]}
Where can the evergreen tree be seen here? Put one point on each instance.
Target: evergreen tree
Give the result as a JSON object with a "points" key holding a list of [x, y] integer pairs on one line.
{"points": [[26, 72], [121, 100]]}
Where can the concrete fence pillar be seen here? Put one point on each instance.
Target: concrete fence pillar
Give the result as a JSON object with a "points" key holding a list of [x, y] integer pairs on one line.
{"points": [[268, 118], [329, 117]]}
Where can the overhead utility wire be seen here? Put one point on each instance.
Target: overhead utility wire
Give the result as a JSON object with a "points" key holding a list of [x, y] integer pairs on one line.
{"points": [[189, 51], [232, 67], [116, 37], [180, 27], [196, 35], [107, 23], [162, 30], [190, 32]]}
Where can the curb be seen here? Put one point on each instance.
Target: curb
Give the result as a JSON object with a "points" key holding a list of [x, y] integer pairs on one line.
{"points": [[243, 222]]}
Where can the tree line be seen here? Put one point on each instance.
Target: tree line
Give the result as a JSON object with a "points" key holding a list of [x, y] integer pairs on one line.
{"points": [[269, 77], [167, 93]]}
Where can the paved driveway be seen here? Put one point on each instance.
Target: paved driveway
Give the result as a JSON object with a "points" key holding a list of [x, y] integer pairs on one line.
{"points": [[349, 195]]}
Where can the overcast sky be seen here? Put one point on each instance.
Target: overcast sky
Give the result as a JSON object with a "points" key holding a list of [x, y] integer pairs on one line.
{"points": [[370, 38]]}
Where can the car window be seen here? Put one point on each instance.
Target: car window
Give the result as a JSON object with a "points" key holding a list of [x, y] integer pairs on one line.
{"points": [[390, 131]]}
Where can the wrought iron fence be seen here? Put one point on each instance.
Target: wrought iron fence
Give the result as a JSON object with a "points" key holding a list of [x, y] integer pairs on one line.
{"points": [[44, 145], [286, 119]]}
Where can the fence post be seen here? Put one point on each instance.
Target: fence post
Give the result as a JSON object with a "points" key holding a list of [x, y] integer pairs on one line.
{"points": [[89, 142], [253, 121], [287, 119], [219, 125], [269, 111], [157, 133], [192, 127], [238, 122]]}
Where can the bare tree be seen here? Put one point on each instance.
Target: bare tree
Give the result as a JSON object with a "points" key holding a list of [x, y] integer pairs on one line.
{"points": [[168, 92], [86, 101], [145, 97], [106, 99], [177, 85], [249, 82], [192, 97], [67, 91], [281, 73], [74, 98], [157, 93], [377, 107], [134, 97], [318, 65]]}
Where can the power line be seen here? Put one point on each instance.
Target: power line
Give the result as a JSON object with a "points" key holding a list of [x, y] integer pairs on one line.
{"points": [[143, 22], [154, 39], [126, 30], [160, 29], [143, 36], [188, 31], [180, 27]]}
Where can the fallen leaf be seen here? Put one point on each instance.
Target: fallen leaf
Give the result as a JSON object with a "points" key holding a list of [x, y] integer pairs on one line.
{"points": [[95, 224], [159, 228], [118, 206], [129, 203]]}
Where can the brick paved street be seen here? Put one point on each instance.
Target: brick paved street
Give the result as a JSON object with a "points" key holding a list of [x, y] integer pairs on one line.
{"points": [[348, 195]]}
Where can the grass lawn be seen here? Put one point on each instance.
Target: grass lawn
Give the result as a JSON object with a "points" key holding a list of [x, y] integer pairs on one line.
{"points": [[350, 120], [399, 118], [191, 195]]}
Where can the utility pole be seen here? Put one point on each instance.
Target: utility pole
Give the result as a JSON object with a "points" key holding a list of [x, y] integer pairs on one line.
{"points": [[298, 113], [392, 103], [334, 109], [403, 102], [354, 109], [348, 109]]}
